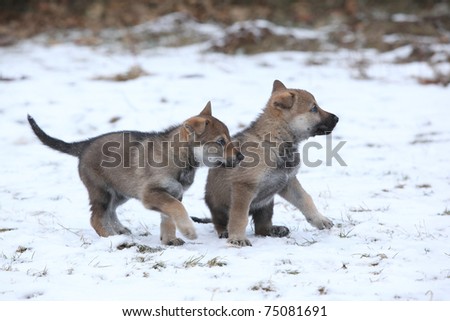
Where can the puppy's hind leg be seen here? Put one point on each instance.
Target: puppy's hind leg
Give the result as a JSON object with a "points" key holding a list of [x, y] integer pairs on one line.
{"points": [[116, 200], [100, 200], [262, 217], [104, 202]]}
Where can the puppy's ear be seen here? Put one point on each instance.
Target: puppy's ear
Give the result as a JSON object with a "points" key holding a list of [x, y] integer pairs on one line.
{"points": [[207, 110], [283, 100], [196, 125], [278, 86]]}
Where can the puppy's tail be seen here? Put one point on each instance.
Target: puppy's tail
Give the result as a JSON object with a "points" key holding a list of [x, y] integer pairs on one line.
{"points": [[201, 220], [73, 149]]}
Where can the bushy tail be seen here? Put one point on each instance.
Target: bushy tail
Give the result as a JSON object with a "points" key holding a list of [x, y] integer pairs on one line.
{"points": [[73, 149], [201, 220]]}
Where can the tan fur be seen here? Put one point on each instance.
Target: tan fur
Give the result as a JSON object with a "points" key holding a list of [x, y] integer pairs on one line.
{"points": [[138, 175], [233, 194]]}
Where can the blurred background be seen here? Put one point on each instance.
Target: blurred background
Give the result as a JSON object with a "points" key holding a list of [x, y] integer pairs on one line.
{"points": [[351, 24]]}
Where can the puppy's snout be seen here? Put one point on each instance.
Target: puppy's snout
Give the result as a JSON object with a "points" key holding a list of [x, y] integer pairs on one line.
{"points": [[335, 118], [235, 159]]}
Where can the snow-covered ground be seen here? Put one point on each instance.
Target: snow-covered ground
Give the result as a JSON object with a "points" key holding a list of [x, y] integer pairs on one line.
{"points": [[390, 204]]}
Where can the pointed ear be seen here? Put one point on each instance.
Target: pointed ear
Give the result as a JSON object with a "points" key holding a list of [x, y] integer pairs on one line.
{"points": [[196, 125], [283, 100], [207, 110], [277, 86]]}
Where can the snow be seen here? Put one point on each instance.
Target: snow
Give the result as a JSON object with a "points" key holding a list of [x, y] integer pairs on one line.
{"points": [[390, 204], [401, 17]]}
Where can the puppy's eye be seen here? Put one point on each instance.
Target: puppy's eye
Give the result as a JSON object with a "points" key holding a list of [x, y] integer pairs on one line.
{"points": [[221, 141], [315, 109]]}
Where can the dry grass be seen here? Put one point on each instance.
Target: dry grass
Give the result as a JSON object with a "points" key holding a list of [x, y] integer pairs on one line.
{"points": [[439, 78], [193, 261], [140, 248], [350, 24], [216, 261], [252, 39], [263, 286], [134, 72], [322, 290]]}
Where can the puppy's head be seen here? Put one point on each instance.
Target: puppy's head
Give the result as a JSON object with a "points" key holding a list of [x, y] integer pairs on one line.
{"points": [[211, 140], [299, 109]]}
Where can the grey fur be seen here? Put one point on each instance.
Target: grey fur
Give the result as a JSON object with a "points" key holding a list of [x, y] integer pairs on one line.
{"points": [[250, 188], [161, 188]]}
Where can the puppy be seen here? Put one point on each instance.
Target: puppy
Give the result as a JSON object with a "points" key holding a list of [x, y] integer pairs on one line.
{"points": [[270, 167], [155, 168]]}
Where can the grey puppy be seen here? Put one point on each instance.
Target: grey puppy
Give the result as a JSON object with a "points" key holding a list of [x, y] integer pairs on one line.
{"points": [[155, 168], [270, 167]]}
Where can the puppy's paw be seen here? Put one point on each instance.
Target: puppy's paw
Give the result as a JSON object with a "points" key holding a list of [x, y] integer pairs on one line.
{"points": [[223, 235], [188, 230], [175, 242], [239, 242], [278, 231], [321, 222], [190, 234], [123, 230]]}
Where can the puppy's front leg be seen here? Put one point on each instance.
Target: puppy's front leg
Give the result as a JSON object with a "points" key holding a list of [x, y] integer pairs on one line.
{"points": [[297, 196], [173, 216], [241, 198], [169, 232]]}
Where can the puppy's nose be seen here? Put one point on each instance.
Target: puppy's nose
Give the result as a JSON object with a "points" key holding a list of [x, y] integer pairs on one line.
{"points": [[336, 118], [239, 156]]}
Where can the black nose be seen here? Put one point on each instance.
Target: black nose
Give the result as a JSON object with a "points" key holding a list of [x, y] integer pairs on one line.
{"points": [[336, 118], [239, 156]]}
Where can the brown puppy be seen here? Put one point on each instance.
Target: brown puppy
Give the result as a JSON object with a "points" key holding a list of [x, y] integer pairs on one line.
{"points": [[270, 166], [155, 168]]}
